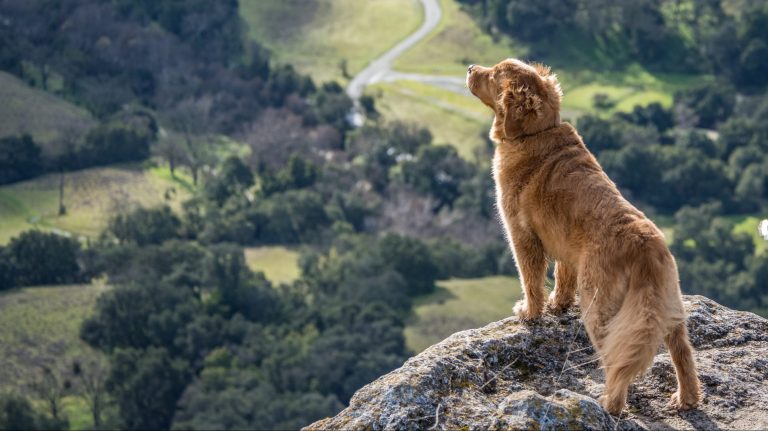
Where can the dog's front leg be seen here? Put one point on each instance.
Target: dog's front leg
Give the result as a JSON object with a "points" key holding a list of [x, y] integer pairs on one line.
{"points": [[532, 268], [564, 294]]}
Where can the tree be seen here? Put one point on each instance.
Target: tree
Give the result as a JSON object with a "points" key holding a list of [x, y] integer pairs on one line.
{"points": [[16, 413], [44, 258], [7, 269], [437, 171], [145, 226], [712, 102], [51, 388], [114, 143], [233, 180], [90, 374], [19, 159], [146, 384], [412, 259]]}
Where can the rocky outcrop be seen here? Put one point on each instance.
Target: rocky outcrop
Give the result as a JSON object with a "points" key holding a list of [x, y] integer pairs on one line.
{"points": [[511, 374]]}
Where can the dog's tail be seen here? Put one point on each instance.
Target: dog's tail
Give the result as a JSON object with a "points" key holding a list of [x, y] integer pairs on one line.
{"points": [[650, 309]]}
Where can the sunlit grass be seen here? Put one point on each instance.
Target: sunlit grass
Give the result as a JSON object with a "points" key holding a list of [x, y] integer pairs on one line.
{"points": [[279, 264], [44, 116], [315, 36], [457, 42], [451, 118], [748, 225], [41, 326], [91, 197], [460, 304]]}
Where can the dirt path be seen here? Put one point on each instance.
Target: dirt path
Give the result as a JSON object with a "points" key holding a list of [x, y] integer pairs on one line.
{"points": [[380, 69], [381, 66]]}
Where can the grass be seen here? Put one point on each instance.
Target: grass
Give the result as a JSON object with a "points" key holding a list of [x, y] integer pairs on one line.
{"points": [[627, 89], [747, 224], [279, 264], [91, 196], [40, 326], [452, 118], [460, 304], [315, 36], [457, 42], [44, 116]]}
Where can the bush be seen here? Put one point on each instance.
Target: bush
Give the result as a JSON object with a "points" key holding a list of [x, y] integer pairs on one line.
{"points": [[108, 144], [412, 259], [145, 226], [19, 159], [44, 258]]}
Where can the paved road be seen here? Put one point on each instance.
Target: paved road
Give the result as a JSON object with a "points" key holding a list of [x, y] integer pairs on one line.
{"points": [[379, 68]]}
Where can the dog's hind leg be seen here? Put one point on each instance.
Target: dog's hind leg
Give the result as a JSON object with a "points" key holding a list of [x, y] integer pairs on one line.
{"points": [[688, 389], [565, 288]]}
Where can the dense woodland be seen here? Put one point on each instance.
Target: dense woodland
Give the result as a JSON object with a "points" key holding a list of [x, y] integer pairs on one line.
{"points": [[195, 339]]}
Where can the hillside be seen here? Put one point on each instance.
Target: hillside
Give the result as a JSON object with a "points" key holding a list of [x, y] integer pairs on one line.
{"points": [[39, 327], [43, 115], [91, 197], [316, 36]]}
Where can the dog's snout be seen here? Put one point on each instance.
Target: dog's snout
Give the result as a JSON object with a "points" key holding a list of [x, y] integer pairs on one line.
{"points": [[469, 69]]}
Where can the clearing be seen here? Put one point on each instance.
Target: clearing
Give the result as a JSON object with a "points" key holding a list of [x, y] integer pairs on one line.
{"points": [[460, 304], [91, 197]]}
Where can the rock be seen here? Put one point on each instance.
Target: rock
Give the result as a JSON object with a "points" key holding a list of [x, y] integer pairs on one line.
{"points": [[511, 375]]}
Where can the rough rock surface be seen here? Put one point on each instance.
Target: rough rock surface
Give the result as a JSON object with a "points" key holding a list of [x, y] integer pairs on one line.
{"points": [[507, 375]]}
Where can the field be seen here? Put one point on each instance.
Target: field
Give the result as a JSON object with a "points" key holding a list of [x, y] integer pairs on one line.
{"points": [[40, 326], [456, 43], [316, 36], [460, 304], [449, 116], [90, 197], [42, 115], [279, 264]]}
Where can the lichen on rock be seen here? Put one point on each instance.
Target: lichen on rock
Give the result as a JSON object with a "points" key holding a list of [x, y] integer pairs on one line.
{"points": [[507, 375]]}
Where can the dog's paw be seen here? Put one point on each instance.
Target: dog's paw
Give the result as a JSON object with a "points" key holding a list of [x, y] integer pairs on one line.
{"points": [[613, 407], [687, 402], [554, 307], [524, 312]]}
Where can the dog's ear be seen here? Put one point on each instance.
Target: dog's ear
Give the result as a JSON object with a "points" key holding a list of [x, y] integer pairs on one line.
{"points": [[519, 99], [550, 81]]}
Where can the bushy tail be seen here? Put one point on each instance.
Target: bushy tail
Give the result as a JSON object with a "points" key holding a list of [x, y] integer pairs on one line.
{"points": [[638, 329]]}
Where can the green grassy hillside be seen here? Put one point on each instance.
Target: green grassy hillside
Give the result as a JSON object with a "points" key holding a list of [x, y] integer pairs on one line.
{"points": [[457, 42], [91, 196], [40, 326], [44, 116], [316, 35], [452, 118], [460, 304]]}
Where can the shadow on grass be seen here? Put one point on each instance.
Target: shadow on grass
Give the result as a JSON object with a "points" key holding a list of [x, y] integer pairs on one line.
{"points": [[439, 296]]}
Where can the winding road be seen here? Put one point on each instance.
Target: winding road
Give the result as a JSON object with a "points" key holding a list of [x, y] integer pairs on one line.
{"points": [[380, 69]]}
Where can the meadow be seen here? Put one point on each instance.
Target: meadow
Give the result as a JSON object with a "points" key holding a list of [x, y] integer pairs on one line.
{"points": [[316, 37], [41, 114], [91, 196], [460, 304], [40, 326]]}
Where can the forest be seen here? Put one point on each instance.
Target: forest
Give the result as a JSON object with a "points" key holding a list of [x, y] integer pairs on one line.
{"points": [[188, 336]]}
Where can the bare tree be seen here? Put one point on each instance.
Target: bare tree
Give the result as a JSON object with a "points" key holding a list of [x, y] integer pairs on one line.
{"points": [[91, 376], [172, 148], [191, 119], [51, 388]]}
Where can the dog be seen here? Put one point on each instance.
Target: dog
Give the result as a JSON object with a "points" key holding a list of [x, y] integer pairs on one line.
{"points": [[556, 202]]}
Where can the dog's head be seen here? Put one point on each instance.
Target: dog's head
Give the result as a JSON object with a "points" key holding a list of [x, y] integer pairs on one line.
{"points": [[525, 97]]}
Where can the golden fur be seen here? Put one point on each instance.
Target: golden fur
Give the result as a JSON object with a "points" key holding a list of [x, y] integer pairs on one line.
{"points": [[556, 202]]}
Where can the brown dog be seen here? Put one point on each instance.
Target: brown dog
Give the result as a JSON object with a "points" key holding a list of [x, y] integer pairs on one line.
{"points": [[556, 202]]}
